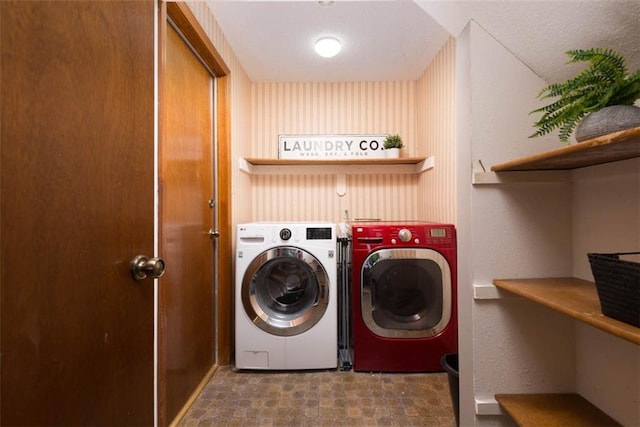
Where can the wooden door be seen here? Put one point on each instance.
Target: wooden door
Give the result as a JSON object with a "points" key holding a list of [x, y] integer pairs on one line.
{"points": [[77, 204], [187, 171]]}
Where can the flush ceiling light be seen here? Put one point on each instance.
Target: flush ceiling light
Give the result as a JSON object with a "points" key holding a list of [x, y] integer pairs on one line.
{"points": [[328, 47]]}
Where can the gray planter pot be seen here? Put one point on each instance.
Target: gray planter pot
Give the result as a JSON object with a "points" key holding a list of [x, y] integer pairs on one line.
{"points": [[608, 120]]}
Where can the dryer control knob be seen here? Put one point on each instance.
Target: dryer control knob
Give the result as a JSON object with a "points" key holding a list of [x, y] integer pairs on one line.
{"points": [[285, 234], [404, 235]]}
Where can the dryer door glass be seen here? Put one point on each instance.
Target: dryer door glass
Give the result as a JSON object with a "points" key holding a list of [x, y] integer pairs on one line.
{"points": [[406, 293], [285, 291]]}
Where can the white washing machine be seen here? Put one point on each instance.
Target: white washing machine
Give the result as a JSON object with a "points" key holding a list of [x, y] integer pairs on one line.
{"points": [[286, 296]]}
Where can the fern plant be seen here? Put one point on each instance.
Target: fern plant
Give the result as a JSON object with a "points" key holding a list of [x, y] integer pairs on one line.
{"points": [[603, 83]]}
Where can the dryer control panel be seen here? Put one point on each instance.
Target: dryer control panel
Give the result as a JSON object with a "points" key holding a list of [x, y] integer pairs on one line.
{"points": [[374, 234]]}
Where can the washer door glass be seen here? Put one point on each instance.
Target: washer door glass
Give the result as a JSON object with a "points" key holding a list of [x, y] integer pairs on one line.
{"points": [[406, 293], [285, 291]]}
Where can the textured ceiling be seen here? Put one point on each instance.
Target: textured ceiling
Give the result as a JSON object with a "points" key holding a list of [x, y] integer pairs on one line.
{"points": [[540, 32], [396, 40], [382, 40]]}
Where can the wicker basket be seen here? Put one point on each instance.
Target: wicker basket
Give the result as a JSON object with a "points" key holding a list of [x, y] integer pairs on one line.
{"points": [[618, 286]]}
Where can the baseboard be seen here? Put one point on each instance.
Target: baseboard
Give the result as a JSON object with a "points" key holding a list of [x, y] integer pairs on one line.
{"points": [[194, 396]]}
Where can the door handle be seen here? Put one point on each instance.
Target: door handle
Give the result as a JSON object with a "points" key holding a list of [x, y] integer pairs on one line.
{"points": [[212, 233], [143, 267]]}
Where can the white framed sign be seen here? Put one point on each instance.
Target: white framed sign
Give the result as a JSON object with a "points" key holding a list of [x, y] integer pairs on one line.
{"points": [[335, 147]]}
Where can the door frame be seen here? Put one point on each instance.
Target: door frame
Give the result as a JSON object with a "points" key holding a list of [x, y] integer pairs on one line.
{"points": [[186, 22]]}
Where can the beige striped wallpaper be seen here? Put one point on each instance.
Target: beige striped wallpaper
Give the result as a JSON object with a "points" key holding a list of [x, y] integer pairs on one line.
{"points": [[332, 108], [436, 128]]}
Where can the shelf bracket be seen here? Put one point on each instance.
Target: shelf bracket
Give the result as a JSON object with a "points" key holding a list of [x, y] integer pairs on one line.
{"points": [[426, 164], [487, 407], [488, 291], [245, 166]]}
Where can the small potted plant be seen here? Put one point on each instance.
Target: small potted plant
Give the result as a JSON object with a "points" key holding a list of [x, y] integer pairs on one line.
{"points": [[597, 101], [392, 145]]}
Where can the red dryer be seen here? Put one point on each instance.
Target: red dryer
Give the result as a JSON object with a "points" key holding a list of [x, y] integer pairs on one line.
{"points": [[404, 295]]}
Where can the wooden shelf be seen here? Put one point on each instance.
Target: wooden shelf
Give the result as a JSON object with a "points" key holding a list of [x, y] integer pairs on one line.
{"points": [[402, 165], [339, 168], [335, 162], [561, 410], [608, 148], [574, 297]]}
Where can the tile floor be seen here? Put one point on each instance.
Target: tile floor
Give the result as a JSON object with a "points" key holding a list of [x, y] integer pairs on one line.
{"points": [[322, 398]]}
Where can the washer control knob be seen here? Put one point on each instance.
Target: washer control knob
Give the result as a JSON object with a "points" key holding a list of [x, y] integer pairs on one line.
{"points": [[285, 234], [404, 235]]}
